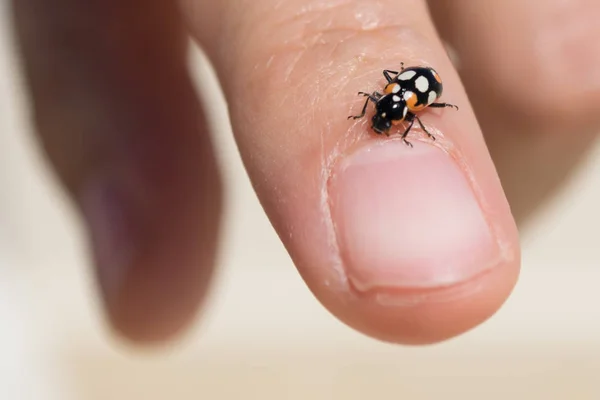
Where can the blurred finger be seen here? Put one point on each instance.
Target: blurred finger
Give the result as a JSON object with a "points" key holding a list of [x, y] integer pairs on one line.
{"points": [[116, 113], [532, 71]]}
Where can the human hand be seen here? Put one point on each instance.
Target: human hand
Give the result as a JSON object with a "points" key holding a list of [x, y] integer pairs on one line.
{"points": [[410, 245]]}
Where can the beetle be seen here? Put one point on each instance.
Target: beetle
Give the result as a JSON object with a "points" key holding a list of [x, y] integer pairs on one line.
{"points": [[406, 93]]}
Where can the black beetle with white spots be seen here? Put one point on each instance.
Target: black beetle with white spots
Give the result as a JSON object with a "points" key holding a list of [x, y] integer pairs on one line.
{"points": [[406, 93]]}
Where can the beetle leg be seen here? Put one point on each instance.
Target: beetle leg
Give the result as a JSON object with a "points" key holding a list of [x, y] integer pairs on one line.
{"points": [[443, 105], [406, 133], [387, 72], [374, 97], [363, 112], [424, 129]]}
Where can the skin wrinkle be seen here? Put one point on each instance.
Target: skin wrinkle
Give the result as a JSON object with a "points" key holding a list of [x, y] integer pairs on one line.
{"points": [[290, 69], [328, 162], [326, 170], [305, 30], [301, 52], [309, 12], [301, 38], [327, 18], [327, 72]]}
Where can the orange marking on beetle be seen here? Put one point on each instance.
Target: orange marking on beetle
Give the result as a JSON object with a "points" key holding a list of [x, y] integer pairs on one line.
{"points": [[389, 88], [411, 103], [437, 77]]}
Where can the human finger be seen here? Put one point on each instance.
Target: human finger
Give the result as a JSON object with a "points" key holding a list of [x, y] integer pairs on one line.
{"points": [[407, 244], [116, 113]]}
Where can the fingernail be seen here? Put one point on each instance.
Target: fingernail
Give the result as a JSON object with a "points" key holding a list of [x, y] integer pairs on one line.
{"points": [[104, 210], [408, 218]]}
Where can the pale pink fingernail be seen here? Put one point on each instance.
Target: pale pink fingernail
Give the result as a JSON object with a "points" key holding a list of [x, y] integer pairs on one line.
{"points": [[408, 217]]}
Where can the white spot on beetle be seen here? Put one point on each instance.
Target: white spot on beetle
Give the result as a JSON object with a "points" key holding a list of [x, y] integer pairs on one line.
{"points": [[396, 89], [396, 98], [408, 95], [432, 96], [384, 115], [406, 75], [422, 84]]}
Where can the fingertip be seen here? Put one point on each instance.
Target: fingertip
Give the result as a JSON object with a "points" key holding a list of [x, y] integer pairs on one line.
{"points": [[425, 258], [119, 119], [152, 246], [154, 239], [394, 241], [423, 317]]}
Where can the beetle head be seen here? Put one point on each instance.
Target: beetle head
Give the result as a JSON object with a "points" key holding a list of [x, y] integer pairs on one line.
{"points": [[380, 124]]}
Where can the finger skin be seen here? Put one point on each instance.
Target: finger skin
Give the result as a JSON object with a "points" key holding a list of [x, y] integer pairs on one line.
{"points": [[291, 80], [531, 72], [118, 118]]}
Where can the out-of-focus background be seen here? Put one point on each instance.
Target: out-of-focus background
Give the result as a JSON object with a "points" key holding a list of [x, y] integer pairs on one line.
{"points": [[265, 336]]}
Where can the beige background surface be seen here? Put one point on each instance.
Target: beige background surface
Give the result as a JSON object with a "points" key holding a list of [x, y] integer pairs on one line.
{"points": [[265, 337]]}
